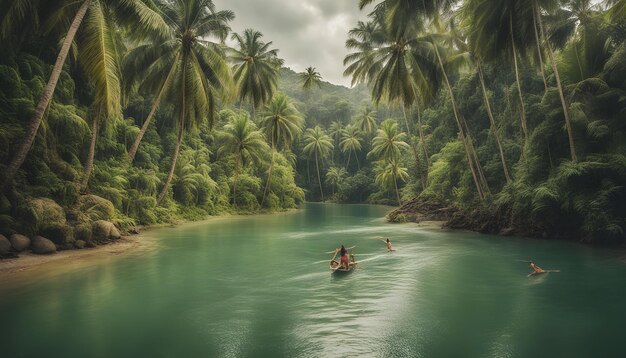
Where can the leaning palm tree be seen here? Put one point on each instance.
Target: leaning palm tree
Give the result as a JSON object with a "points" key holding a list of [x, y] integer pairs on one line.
{"points": [[282, 123], [389, 142], [199, 70], [319, 145], [310, 77], [242, 138], [155, 64], [256, 68], [351, 143], [389, 172], [95, 56]]}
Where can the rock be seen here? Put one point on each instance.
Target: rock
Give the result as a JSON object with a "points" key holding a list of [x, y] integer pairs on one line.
{"points": [[93, 208], [41, 245], [20, 242], [60, 234], [83, 232], [79, 244], [104, 231], [5, 245], [46, 212]]}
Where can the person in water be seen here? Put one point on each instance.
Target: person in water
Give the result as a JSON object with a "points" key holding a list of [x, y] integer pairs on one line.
{"points": [[343, 258], [388, 243], [536, 269]]}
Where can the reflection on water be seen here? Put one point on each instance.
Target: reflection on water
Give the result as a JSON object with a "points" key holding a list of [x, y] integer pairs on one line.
{"points": [[259, 286]]}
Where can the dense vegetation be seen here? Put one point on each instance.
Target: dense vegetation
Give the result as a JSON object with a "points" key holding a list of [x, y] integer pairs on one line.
{"points": [[510, 112]]}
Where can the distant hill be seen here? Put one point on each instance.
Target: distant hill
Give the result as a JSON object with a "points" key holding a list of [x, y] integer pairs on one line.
{"points": [[325, 104]]}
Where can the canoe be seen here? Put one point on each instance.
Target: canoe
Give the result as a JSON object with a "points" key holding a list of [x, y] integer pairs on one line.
{"points": [[334, 265]]}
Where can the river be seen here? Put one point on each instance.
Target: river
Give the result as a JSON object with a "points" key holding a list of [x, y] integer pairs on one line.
{"points": [[259, 286]]}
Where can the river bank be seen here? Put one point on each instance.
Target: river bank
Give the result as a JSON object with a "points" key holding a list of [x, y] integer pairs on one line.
{"points": [[28, 264]]}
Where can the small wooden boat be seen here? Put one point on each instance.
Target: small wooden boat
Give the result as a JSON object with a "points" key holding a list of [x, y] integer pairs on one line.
{"points": [[335, 266]]}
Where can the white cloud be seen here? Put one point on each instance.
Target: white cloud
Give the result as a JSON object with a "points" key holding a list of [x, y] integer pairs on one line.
{"points": [[306, 32]]}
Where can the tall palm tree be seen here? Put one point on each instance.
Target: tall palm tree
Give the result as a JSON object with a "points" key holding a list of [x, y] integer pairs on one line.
{"points": [[335, 176], [366, 120], [389, 172], [310, 77], [389, 142], [95, 56], [200, 72], [319, 145], [282, 123], [242, 138], [154, 65], [351, 143], [256, 68]]}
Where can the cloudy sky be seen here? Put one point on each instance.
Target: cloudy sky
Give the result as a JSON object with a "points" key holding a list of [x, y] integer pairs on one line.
{"points": [[306, 32]]}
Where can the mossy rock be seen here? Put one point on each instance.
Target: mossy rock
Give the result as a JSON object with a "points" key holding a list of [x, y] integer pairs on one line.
{"points": [[43, 246], [83, 232], [20, 242], [104, 231], [46, 212], [60, 234], [5, 245], [94, 208]]}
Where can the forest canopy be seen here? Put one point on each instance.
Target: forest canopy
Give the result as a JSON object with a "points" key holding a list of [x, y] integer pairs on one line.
{"points": [[149, 111]]}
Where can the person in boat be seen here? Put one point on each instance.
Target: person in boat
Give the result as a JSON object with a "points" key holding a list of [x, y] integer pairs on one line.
{"points": [[343, 258], [536, 269], [388, 243]]}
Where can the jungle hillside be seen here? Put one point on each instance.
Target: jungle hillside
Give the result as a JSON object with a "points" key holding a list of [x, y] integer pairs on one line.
{"points": [[505, 117]]}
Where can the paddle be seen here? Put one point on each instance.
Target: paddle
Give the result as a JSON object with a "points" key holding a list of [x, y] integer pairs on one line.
{"points": [[544, 271], [331, 252]]}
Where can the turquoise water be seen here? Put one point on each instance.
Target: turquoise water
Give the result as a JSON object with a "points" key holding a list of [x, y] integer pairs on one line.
{"points": [[260, 286]]}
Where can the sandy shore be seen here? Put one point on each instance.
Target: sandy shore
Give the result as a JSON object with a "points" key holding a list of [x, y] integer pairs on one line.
{"points": [[28, 260]]}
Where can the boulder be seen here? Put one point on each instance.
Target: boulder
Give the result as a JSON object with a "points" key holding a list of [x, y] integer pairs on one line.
{"points": [[83, 232], [46, 212], [41, 245], [104, 231], [5, 245], [20, 242], [93, 208], [60, 234], [79, 244]]}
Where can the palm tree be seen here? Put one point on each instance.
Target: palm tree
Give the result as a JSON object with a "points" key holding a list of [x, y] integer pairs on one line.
{"points": [[282, 124], [366, 120], [351, 143], [95, 56], [154, 65], [319, 145], [242, 138], [199, 69], [335, 176], [310, 77], [389, 142], [256, 68], [388, 172]]}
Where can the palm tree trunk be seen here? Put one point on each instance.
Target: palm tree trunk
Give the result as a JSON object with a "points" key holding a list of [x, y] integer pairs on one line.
{"points": [[44, 100], [91, 154], [269, 175], [568, 123], [543, 73], [494, 129], [418, 165], [319, 180], [422, 138], [170, 174], [479, 168], [395, 183], [358, 165], [519, 89], [458, 123], [133, 149], [348, 164], [235, 181]]}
